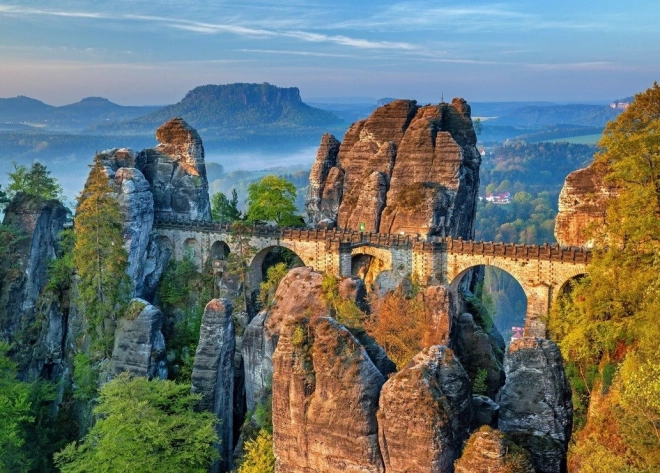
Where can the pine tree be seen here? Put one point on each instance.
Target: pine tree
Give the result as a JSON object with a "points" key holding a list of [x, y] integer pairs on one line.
{"points": [[224, 210], [33, 181], [100, 257]]}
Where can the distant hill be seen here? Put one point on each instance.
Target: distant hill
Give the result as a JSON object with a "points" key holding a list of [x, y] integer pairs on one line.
{"points": [[544, 116], [76, 116], [219, 109]]}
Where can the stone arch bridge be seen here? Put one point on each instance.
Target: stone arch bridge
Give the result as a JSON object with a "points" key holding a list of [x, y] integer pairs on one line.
{"points": [[541, 270]]}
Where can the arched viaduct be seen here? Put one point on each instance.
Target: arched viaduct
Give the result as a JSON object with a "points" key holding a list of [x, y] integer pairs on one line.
{"points": [[541, 270]]}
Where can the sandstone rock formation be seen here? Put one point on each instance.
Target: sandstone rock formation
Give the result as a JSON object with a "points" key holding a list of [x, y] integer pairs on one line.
{"points": [[325, 397], [23, 276], [535, 403], [479, 349], [139, 343], [406, 168], [176, 173], [486, 411], [488, 451], [425, 413], [213, 372], [326, 159], [582, 204]]}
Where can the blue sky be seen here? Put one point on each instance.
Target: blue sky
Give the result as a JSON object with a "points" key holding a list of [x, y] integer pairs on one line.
{"points": [[153, 52]]}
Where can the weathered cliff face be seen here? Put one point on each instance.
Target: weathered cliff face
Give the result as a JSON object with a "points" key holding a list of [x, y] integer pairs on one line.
{"points": [[582, 204], [488, 451], [137, 205], [326, 159], [213, 373], [325, 397], [139, 343], [479, 350], [425, 413], [535, 403], [406, 168], [176, 172], [24, 276]]}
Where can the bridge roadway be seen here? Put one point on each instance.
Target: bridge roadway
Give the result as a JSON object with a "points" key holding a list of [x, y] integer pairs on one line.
{"points": [[541, 270]]}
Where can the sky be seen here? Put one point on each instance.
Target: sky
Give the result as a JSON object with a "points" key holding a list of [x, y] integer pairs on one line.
{"points": [[150, 52]]}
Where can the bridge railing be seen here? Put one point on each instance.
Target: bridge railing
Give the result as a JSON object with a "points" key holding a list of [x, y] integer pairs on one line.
{"points": [[511, 250], [353, 237]]}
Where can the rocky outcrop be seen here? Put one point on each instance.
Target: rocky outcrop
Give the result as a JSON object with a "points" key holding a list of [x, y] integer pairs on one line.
{"points": [[425, 413], [176, 173], [23, 276], [479, 349], [257, 351], [535, 403], [488, 451], [139, 343], [137, 205], [406, 169], [213, 373], [486, 411], [438, 302], [582, 205], [326, 159], [325, 398]]}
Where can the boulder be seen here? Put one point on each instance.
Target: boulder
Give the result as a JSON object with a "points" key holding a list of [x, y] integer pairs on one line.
{"points": [[139, 343], [489, 451], [486, 411], [535, 403], [582, 204], [406, 169], [425, 413], [325, 398], [213, 373], [176, 173]]}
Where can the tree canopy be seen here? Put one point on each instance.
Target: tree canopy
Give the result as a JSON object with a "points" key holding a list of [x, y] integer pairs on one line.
{"points": [[100, 257], [223, 209], [33, 181], [607, 326], [272, 199], [144, 426]]}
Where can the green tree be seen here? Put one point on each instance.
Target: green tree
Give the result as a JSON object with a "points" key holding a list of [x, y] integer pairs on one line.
{"points": [[272, 199], [100, 258], [258, 454], [33, 181], [144, 426], [223, 209], [15, 413], [611, 315], [238, 261]]}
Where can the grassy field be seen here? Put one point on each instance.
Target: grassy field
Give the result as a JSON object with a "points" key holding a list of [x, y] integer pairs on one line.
{"points": [[580, 140]]}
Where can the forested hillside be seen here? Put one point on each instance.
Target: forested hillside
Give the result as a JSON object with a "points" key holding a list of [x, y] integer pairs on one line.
{"points": [[607, 324], [533, 174]]}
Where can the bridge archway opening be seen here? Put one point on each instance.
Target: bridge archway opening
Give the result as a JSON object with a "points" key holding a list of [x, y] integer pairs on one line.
{"points": [[193, 250], [269, 257], [368, 268], [219, 251], [499, 293]]}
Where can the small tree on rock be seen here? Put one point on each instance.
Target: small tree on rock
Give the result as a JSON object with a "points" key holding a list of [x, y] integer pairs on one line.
{"points": [[33, 181]]}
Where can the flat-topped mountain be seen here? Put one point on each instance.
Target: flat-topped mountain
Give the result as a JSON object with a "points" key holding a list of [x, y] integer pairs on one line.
{"points": [[235, 106]]}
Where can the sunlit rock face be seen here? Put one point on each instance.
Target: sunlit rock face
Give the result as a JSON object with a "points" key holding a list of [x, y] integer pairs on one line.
{"points": [[582, 206], [176, 172], [407, 168], [425, 413]]}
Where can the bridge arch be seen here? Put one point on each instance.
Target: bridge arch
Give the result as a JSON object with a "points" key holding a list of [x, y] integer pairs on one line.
{"points": [[260, 262], [193, 249], [219, 250], [371, 264]]}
